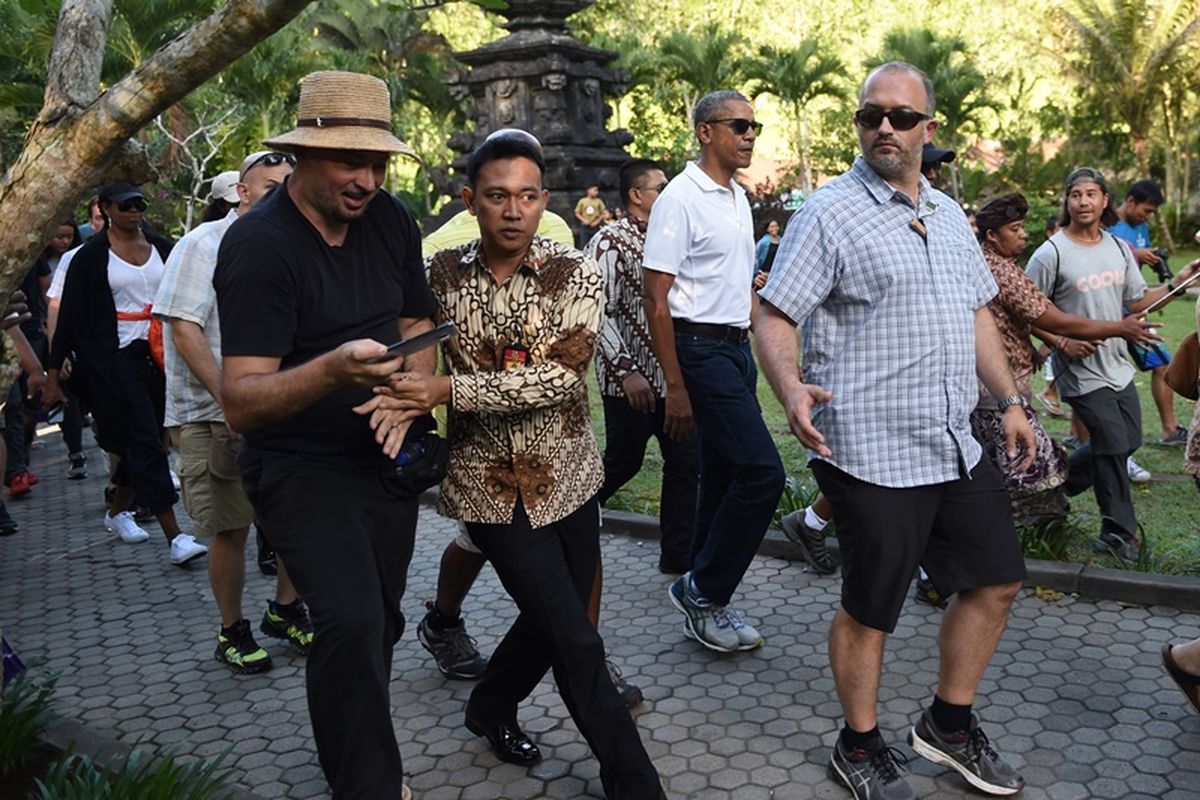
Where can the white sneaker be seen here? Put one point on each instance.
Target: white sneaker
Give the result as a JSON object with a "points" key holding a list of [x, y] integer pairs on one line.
{"points": [[748, 637], [1137, 473], [174, 479], [126, 527], [185, 548]]}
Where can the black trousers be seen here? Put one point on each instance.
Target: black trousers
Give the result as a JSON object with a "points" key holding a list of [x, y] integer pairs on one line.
{"points": [[1114, 423], [347, 539], [128, 398], [626, 433], [548, 572]]}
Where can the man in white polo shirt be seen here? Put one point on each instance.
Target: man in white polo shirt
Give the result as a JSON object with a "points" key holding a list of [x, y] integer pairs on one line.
{"points": [[698, 263]]}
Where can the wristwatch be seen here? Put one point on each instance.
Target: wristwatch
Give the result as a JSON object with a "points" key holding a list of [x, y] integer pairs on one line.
{"points": [[1011, 400]]}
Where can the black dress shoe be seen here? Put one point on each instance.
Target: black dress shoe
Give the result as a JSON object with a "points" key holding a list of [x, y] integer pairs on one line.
{"points": [[508, 741]]}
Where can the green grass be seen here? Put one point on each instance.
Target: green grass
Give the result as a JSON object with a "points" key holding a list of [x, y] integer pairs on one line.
{"points": [[1168, 508]]}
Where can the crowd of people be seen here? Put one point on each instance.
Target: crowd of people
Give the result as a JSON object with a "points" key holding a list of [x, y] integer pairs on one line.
{"points": [[286, 348]]}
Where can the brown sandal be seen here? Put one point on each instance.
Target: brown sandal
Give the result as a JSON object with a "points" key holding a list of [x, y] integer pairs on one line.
{"points": [[1188, 683]]}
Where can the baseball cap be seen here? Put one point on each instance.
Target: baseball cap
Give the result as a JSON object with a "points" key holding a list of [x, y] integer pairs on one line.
{"points": [[224, 187], [1086, 175], [931, 155], [119, 192]]}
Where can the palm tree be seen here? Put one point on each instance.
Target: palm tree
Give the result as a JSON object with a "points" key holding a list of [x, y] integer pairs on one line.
{"points": [[699, 62], [1127, 52], [958, 85], [798, 76]]}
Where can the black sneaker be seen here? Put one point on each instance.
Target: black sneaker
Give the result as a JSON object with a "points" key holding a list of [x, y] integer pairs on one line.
{"points": [[237, 650], [967, 752], [1120, 545], [78, 469], [811, 543], [290, 623], [928, 594], [871, 775], [631, 695], [8, 525], [454, 652]]}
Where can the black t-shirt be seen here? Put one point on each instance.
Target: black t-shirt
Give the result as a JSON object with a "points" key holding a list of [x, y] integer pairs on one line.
{"points": [[283, 292]]}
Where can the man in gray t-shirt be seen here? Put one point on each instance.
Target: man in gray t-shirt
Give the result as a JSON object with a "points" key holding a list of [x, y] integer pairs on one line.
{"points": [[1085, 271]]}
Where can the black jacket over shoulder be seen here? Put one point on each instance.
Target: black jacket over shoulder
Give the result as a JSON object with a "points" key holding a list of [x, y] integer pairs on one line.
{"points": [[87, 315]]}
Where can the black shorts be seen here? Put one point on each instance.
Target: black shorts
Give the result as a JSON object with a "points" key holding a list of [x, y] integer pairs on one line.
{"points": [[961, 532]]}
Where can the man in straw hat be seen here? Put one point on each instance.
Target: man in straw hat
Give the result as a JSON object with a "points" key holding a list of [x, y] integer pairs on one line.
{"points": [[311, 287]]}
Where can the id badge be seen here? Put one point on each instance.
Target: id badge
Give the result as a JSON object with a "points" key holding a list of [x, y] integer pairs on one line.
{"points": [[515, 357]]}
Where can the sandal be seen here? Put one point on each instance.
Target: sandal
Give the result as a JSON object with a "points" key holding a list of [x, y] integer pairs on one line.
{"points": [[1188, 683], [1052, 406]]}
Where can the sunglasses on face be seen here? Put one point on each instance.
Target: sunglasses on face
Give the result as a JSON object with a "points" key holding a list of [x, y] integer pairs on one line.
{"points": [[132, 204], [902, 119], [739, 125], [271, 160]]}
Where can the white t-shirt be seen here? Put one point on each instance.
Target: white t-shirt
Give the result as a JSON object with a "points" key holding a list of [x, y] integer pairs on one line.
{"points": [[60, 274], [703, 234], [133, 288]]}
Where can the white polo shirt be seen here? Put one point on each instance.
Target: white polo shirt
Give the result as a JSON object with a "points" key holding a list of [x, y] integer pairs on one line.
{"points": [[703, 234]]}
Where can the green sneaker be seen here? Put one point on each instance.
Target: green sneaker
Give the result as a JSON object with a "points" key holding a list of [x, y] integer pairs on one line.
{"points": [[290, 623], [237, 650]]}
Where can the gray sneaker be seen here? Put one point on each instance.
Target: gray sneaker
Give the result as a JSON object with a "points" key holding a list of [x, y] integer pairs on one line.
{"points": [[703, 621], [969, 753], [748, 637], [811, 543], [870, 775]]}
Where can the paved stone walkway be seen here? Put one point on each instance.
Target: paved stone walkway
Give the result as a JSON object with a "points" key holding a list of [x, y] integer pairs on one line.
{"points": [[1076, 696]]}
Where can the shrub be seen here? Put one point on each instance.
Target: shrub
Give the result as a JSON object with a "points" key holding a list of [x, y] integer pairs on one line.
{"points": [[136, 777], [24, 714]]}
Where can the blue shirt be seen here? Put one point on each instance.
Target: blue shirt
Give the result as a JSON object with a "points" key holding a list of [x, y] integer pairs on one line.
{"points": [[888, 324], [1136, 235]]}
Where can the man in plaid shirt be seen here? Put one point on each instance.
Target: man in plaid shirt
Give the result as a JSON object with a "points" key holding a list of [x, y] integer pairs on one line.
{"points": [[890, 288]]}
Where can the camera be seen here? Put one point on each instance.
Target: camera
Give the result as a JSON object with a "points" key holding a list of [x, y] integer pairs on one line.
{"points": [[1161, 269]]}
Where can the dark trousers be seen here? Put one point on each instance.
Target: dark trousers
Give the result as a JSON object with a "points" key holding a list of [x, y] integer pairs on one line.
{"points": [[626, 433], [741, 476], [548, 572], [349, 561], [129, 405], [72, 425], [14, 432], [1114, 423]]}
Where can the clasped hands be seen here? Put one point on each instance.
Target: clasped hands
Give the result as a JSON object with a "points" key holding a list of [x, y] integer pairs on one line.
{"points": [[400, 398]]}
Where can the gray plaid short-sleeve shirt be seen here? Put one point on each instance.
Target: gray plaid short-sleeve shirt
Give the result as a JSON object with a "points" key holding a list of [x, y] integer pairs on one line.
{"points": [[887, 319]]}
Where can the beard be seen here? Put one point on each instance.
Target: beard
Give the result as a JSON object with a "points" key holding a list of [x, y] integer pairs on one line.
{"points": [[329, 203], [895, 165]]}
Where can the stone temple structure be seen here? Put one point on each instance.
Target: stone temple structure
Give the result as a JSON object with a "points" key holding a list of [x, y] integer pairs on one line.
{"points": [[545, 81]]}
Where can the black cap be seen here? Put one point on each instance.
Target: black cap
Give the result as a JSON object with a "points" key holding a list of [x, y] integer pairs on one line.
{"points": [[119, 192], [932, 156]]}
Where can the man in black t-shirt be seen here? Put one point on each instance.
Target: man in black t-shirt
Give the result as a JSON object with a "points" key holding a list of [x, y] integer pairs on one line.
{"points": [[311, 287]]}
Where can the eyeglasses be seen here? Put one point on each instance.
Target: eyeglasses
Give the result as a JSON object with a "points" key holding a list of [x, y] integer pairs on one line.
{"points": [[902, 119], [273, 159], [657, 188], [739, 125], [132, 204]]}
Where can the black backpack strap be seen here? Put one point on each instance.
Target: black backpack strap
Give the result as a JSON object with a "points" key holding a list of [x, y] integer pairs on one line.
{"points": [[1057, 264]]}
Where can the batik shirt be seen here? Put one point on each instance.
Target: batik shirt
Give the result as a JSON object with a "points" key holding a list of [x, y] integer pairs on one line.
{"points": [[1018, 303], [625, 344], [525, 432]]}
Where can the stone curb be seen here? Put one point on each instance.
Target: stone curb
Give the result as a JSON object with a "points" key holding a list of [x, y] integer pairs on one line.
{"points": [[1123, 586]]}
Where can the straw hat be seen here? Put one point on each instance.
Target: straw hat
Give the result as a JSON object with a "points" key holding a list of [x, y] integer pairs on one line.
{"points": [[343, 111]]}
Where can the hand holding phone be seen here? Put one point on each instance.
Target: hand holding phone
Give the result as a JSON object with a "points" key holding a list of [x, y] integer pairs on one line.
{"points": [[406, 347]]}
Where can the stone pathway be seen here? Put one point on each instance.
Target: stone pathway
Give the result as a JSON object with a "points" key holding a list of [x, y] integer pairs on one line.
{"points": [[1076, 696]]}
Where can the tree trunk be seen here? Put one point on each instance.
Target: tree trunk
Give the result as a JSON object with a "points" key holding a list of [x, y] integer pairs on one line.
{"points": [[79, 135]]}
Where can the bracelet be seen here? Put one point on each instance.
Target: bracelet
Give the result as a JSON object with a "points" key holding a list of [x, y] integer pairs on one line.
{"points": [[1062, 343]]}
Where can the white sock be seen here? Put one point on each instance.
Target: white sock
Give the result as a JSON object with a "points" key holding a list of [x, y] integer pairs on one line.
{"points": [[813, 520]]}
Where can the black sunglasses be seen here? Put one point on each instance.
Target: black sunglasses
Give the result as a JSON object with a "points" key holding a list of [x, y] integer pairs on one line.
{"points": [[902, 119], [132, 204], [273, 159], [739, 125]]}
